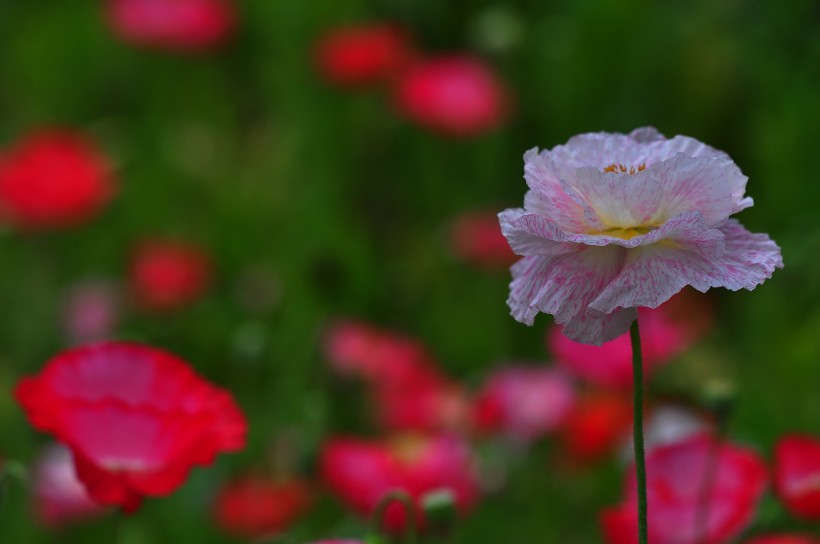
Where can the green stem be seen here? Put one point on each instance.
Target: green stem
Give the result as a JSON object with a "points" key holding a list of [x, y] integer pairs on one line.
{"points": [[637, 430], [406, 500]]}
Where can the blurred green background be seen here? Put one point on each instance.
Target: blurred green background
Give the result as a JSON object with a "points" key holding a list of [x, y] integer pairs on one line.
{"points": [[344, 209]]}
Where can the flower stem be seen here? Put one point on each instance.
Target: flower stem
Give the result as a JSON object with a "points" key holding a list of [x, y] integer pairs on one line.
{"points": [[637, 430], [407, 501]]}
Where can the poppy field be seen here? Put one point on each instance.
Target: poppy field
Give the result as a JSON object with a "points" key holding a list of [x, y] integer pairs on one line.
{"points": [[409, 272]]}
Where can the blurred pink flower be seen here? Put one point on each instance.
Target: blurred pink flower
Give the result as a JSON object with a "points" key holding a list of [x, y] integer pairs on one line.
{"points": [[355, 56], [523, 402], [175, 25], [59, 496], [663, 336], [784, 539], [90, 311], [53, 178], [476, 238], [360, 472], [797, 475], [668, 424], [454, 95], [613, 222], [676, 482], [429, 404]]}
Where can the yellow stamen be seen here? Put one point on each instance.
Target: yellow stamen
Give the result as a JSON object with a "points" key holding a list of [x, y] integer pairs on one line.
{"points": [[621, 169]]}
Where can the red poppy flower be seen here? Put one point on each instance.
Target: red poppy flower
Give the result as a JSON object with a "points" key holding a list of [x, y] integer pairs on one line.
{"points": [[175, 25], [665, 333], [59, 497], [136, 418], [361, 55], [90, 311], [422, 405], [476, 238], [676, 480], [377, 356], [454, 95], [797, 475], [168, 275], [784, 539], [524, 402], [53, 178], [254, 506], [361, 472], [595, 427]]}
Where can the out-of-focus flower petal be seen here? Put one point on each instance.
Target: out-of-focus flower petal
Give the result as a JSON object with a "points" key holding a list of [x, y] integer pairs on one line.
{"points": [[797, 475]]}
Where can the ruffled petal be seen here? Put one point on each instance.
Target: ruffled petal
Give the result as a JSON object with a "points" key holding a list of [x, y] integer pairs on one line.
{"points": [[714, 188], [748, 259], [530, 234], [563, 286], [551, 196], [619, 200]]}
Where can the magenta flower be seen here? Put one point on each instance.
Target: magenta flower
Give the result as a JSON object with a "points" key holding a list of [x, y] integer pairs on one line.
{"points": [[613, 222]]}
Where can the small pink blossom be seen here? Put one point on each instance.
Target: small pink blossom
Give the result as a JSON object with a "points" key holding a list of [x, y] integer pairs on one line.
{"points": [[613, 222], [523, 402], [663, 336], [60, 497], [676, 480]]}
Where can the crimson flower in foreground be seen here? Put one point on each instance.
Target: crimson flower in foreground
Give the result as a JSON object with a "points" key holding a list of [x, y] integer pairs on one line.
{"points": [[362, 472], [167, 275], [523, 402], [361, 55], [254, 506], [663, 336], [135, 418], [59, 496], [613, 222], [797, 475], [699, 491], [53, 178], [453, 95], [175, 25], [476, 238], [784, 539]]}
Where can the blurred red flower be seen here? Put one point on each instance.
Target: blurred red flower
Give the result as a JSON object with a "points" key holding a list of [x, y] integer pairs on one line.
{"points": [[167, 275], [136, 418], [665, 332], [476, 238], [784, 539], [175, 25], [523, 402], [797, 475], [377, 356], [677, 487], [59, 497], [90, 311], [254, 506], [596, 426], [422, 403], [454, 95], [360, 55], [53, 178], [361, 472]]}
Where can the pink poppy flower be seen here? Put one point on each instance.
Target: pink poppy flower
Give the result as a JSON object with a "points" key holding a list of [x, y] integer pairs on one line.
{"points": [[663, 336], [53, 178], [174, 25], [136, 418], [256, 506], [797, 475], [59, 496], [675, 485], [476, 238], [90, 311], [356, 56], [455, 95], [377, 356], [362, 472], [613, 222], [784, 539], [167, 275], [524, 403]]}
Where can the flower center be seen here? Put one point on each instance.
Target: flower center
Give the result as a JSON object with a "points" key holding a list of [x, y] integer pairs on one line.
{"points": [[625, 233], [621, 169]]}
